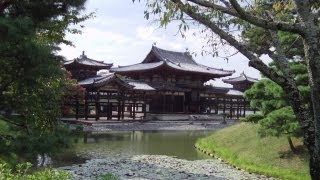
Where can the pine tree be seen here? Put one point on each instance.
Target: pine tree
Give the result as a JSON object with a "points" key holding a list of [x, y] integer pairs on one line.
{"points": [[32, 81]]}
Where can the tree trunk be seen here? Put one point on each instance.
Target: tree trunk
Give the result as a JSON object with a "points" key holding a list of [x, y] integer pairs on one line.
{"points": [[293, 149], [313, 60], [314, 165]]}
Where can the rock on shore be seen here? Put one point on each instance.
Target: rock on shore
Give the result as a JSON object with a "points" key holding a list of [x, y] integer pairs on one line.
{"points": [[158, 167]]}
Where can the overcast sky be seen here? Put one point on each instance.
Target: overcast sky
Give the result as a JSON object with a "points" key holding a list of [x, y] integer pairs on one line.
{"points": [[119, 34]]}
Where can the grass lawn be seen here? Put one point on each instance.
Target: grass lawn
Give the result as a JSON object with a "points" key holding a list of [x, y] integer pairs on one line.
{"points": [[240, 145]]}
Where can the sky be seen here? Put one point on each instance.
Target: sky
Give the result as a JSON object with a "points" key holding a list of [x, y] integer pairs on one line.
{"points": [[120, 34]]}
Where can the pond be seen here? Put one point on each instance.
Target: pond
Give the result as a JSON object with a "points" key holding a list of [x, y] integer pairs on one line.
{"points": [[172, 143]]}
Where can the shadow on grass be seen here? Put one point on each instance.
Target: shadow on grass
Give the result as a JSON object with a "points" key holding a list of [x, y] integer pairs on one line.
{"points": [[300, 152]]}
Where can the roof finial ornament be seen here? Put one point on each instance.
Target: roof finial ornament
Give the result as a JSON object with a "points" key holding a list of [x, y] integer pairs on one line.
{"points": [[83, 55], [187, 51]]}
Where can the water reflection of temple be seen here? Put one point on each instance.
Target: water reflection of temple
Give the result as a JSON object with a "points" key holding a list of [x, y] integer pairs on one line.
{"points": [[165, 82]]}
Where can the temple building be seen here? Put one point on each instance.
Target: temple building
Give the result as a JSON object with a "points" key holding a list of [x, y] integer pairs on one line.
{"points": [[164, 82], [178, 79], [83, 67], [241, 83]]}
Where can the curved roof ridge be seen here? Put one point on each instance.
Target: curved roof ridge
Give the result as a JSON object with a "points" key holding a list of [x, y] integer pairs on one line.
{"points": [[93, 60], [219, 69], [84, 60], [137, 67], [242, 77], [156, 48], [135, 64], [160, 53]]}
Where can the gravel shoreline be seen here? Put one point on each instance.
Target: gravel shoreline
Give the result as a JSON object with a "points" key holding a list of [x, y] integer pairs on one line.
{"points": [[158, 167]]}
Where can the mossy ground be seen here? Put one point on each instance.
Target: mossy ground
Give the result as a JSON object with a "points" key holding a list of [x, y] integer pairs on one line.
{"points": [[240, 145]]}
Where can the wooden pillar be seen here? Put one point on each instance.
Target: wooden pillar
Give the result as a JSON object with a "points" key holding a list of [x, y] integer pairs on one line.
{"points": [[119, 109], [164, 103], [86, 105], [108, 107], [217, 105], [231, 108], [109, 111], [238, 108], [97, 99], [130, 109], [77, 108], [244, 107], [184, 103], [122, 110], [144, 106], [172, 102], [134, 110], [144, 109], [224, 105]]}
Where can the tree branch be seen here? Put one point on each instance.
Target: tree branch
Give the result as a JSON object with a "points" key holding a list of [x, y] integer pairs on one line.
{"points": [[14, 123], [214, 6], [254, 61], [303, 8], [263, 23], [6, 137], [279, 57]]}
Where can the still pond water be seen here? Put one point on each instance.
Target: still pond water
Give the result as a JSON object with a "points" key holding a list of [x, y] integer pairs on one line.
{"points": [[172, 143]]}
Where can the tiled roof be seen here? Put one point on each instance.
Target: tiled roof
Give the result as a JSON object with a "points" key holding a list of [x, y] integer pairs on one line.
{"points": [[199, 69], [139, 85], [233, 92], [137, 67], [172, 56], [84, 60], [99, 81], [182, 61], [223, 91], [239, 79], [216, 90], [90, 81]]}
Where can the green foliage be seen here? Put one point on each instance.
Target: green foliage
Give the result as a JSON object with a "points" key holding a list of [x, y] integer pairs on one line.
{"points": [[277, 117], [32, 82], [266, 96], [52, 18], [253, 118], [258, 39], [280, 122], [108, 176], [22, 172]]}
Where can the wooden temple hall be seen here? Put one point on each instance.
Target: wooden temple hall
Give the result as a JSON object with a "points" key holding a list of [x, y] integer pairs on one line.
{"points": [[165, 82]]}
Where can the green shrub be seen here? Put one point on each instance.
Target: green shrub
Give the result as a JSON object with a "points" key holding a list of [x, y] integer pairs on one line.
{"points": [[22, 172], [108, 176], [253, 118]]}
